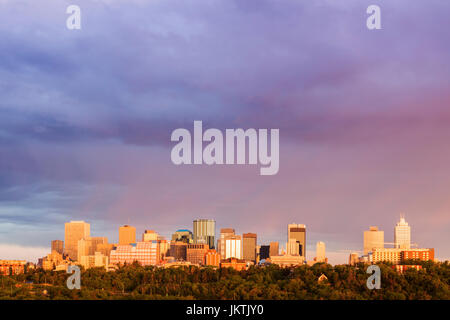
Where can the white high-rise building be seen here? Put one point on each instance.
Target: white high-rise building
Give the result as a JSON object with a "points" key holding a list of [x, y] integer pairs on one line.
{"points": [[292, 247], [233, 247], [402, 235], [221, 244], [320, 251]]}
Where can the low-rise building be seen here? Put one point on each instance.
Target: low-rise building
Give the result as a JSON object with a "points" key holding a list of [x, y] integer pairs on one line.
{"points": [[237, 264], [11, 267], [212, 258], [54, 261], [145, 253], [396, 255], [401, 268], [287, 260], [93, 261], [195, 253]]}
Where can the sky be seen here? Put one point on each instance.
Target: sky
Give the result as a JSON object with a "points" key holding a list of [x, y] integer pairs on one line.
{"points": [[86, 118]]}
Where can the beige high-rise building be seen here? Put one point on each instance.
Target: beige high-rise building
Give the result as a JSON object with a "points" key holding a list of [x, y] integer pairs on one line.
{"points": [[58, 246], [89, 246], [298, 233], [402, 234], [320, 252], [353, 258], [373, 239], [105, 248], [274, 249], [94, 261], [233, 247], [164, 248], [224, 233], [292, 247], [74, 231], [127, 235], [249, 246], [149, 235]]}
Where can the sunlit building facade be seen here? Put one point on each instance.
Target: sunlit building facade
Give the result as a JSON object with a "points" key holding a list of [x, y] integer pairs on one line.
{"points": [[402, 234], [145, 253], [127, 235], [75, 231], [249, 241], [297, 232], [373, 239], [205, 232], [233, 247]]}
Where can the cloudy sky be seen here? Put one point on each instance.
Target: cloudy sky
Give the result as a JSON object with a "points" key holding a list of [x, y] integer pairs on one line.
{"points": [[86, 117]]}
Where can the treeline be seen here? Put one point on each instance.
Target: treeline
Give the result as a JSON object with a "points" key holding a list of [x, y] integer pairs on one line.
{"points": [[270, 282]]}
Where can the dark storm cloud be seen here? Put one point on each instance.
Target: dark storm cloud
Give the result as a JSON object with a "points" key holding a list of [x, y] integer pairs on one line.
{"points": [[95, 108]]}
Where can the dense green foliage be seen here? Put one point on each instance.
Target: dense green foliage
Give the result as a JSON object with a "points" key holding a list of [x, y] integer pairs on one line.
{"points": [[271, 282]]}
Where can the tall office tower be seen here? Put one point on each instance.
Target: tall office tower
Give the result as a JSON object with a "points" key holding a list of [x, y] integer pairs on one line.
{"points": [[320, 252], [233, 247], [224, 233], [58, 246], [183, 235], [264, 252], [402, 235], [373, 239], [274, 249], [205, 232], [149, 235], [74, 231], [127, 235], [298, 233], [353, 258], [249, 246], [292, 247], [164, 248], [89, 245], [105, 248]]}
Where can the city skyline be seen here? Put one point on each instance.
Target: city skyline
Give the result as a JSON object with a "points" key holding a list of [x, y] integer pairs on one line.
{"points": [[282, 248], [86, 118]]}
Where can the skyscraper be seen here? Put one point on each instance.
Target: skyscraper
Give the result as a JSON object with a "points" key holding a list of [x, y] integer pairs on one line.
{"points": [[373, 239], [149, 235], [58, 246], [298, 233], [224, 233], [205, 232], [320, 252], [264, 252], [233, 245], [127, 235], [74, 231], [88, 246], [249, 246], [402, 234], [274, 249]]}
